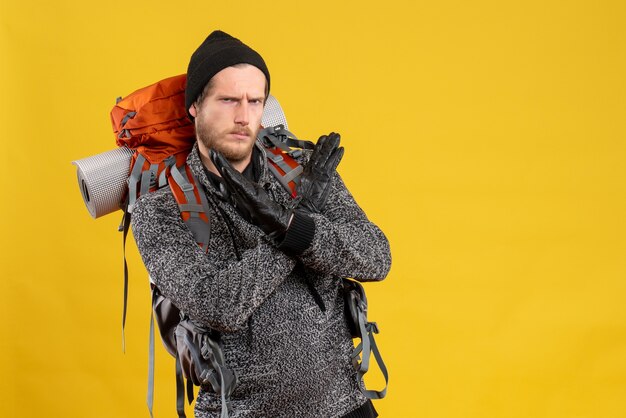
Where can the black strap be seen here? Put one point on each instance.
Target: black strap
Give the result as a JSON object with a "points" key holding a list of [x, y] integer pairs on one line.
{"points": [[125, 227], [299, 143], [190, 394], [280, 137], [180, 389]]}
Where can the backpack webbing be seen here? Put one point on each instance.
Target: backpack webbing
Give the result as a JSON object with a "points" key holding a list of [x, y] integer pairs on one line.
{"points": [[356, 311]]}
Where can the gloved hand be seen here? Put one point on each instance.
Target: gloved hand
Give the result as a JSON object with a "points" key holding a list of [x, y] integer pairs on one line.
{"points": [[252, 200], [316, 178]]}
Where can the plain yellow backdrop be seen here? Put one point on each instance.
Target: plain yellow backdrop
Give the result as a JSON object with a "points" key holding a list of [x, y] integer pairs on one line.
{"points": [[486, 138]]}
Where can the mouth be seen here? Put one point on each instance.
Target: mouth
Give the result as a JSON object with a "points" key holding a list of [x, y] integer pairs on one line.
{"points": [[241, 135]]}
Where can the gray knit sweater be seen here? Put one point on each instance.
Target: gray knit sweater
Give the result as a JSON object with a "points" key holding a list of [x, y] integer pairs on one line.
{"points": [[291, 357]]}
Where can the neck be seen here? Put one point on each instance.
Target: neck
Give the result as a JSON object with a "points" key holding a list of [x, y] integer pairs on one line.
{"points": [[206, 160]]}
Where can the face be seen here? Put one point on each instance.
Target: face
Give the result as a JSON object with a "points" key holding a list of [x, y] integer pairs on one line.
{"points": [[229, 117]]}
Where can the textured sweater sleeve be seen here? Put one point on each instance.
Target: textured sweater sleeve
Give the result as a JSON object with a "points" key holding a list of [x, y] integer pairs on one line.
{"points": [[346, 243], [216, 288]]}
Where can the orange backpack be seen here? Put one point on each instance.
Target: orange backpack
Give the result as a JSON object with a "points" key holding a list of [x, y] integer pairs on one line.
{"points": [[153, 122]]}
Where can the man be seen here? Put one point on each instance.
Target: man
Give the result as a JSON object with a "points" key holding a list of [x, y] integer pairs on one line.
{"points": [[270, 282]]}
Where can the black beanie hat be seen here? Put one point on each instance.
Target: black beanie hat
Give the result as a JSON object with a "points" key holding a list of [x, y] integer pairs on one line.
{"points": [[218, 51]]}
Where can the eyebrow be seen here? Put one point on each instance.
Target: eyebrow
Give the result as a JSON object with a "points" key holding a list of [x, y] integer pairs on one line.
{"points": [[237, 97]]}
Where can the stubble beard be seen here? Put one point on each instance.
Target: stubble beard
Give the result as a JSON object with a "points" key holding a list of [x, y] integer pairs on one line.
{"points": [[212, 139]]}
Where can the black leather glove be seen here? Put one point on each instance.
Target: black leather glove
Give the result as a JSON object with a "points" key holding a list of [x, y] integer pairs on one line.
{"points": [[252, 201], [316, 178]]}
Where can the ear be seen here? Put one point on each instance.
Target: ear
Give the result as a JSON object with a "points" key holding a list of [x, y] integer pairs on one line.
{"points": [[192, 110]]}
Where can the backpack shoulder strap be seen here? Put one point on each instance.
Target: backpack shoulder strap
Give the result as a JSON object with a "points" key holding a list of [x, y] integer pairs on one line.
{"points": [[284, 168], [283, 160], [144, 177], [192, 202]]}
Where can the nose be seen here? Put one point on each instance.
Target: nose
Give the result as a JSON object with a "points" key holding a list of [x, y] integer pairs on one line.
{"points": [[242, 113]]}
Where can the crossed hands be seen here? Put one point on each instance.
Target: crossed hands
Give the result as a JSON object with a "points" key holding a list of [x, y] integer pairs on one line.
{"points": [[254, 203]]}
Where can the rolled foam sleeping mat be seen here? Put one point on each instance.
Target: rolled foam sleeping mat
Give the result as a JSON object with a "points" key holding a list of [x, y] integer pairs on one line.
{"points": [[102, 180], [273, 114]]}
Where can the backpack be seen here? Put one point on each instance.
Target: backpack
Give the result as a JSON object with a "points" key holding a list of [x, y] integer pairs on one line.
{"points": [[153, 122]]}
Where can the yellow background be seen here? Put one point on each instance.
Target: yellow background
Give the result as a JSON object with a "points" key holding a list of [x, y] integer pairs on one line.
{"points": [[486, 138]]}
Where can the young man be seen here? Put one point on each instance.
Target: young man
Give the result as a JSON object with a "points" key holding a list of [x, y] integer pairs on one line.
{"points": [[270, 282]]}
